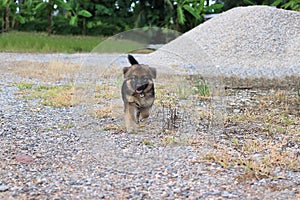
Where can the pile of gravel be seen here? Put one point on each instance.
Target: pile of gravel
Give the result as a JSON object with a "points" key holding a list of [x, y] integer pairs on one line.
{"points": [[245, 41]]}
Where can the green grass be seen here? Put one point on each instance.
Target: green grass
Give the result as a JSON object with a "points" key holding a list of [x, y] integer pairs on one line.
{"points": [[24, 85], [49, 95], [201, 88], [55, 96], [31, 42], [115, 45]]}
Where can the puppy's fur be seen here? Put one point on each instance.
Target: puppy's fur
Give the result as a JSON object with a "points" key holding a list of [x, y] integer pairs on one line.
{"points": [[137, 92]]}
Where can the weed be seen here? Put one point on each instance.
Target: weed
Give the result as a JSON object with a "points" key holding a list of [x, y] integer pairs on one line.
{"points": [[183, 89], [235, 141], [54, 96], [201, 88], [224, 160], [169, 140], [110, 127], [171, 118], [24, 85], [105, 112], [65, 126], [148, 143], [106, 92]]}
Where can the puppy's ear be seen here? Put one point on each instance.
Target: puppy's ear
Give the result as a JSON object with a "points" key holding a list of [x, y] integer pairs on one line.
{"points": [[125, 70], [153, 72], [132, 60]]}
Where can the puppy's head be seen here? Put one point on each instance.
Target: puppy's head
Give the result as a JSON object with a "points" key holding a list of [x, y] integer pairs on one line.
{"points": [[139, 77]]}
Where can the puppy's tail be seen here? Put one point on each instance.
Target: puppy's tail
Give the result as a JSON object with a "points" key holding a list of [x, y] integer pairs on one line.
{"points": [[132, 60]]}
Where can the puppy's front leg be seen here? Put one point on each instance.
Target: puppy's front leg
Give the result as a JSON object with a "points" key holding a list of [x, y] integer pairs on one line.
{"points": [[130, 117]]}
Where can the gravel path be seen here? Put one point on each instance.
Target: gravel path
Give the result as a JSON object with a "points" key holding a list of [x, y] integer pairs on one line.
{"points": [[64, 153]]}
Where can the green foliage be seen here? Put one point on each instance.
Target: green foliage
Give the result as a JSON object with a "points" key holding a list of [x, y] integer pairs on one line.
{"points": [[189, 13], [24, 85], [33, 25], [286, 4], [214, 8], [111, 17], [41, 6], [293, 5], [76, 11], [201, 88]]}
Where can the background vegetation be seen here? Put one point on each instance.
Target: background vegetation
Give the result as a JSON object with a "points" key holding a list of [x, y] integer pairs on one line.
{"points": [[41, 43], [99, 17]]}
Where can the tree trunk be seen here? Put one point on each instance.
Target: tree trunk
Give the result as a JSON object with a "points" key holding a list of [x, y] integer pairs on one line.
{"points": [[84, 26], [49, 29], [207, 2], [2, 22], [7, 18]]}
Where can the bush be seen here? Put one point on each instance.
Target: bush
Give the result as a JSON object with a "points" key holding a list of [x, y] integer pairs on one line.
{"points": [[34, 25], [103, 29], [61, 26]]}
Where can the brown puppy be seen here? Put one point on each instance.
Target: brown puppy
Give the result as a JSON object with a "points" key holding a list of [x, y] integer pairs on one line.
{"points": [[137, 92]]}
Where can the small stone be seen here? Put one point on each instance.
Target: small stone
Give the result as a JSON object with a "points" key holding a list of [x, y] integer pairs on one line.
{"points": [[225, 194], [164, 194], [177, 190], [40, 180], [3, 188], [216, 193], [22, 158], [236, 110]]}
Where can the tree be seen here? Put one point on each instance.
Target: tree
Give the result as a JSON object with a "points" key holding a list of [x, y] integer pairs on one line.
{"points": [[50, 6], [10, 15], [5, 9], [77, 10], [153, 13], [191, 9], [292, 4], [286, 4]]}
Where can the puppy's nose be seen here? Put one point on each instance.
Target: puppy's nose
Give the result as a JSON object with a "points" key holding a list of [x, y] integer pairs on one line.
{"points": [[142, 86], [140, 83]]}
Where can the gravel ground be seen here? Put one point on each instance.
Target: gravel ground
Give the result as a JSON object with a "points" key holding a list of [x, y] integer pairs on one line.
{"points": [[65, 153]]}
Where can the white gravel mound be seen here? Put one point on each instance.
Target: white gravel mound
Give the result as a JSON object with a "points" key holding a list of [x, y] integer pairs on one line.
{"points": [[254, 40]]}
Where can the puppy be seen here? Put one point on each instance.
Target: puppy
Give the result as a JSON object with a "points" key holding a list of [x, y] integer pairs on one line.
{"points": [[137, 92]]}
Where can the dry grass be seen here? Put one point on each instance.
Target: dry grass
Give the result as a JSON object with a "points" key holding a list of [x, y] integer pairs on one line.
{"points": [[49, 95], [45, 72], [263, 138]]}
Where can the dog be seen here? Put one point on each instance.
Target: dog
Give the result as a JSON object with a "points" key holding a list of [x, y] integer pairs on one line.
{"points": [[137, 92]]}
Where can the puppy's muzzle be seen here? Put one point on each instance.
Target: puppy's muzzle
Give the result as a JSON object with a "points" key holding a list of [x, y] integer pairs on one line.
{"points": [[141, 88]]}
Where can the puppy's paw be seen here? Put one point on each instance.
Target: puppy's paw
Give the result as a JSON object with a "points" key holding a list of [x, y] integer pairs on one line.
{"points": [[131, 129]]}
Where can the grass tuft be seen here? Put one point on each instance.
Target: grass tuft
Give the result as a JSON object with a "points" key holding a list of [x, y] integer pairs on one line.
{"points": [[24, 85], [54, 96]]}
